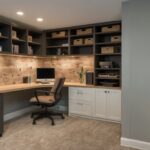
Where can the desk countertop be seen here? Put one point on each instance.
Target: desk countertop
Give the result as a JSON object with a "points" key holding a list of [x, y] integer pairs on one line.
{"points": [[26, 86]]}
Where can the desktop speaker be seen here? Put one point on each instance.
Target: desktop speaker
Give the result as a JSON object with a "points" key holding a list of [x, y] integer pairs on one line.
{"points": [[89, 77]]}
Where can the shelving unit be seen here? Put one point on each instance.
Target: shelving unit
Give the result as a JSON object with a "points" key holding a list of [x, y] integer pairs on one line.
{"points": [[14, 39], [34, 40], [19, 40], [108, 51], [82, 41], [5, 42], [102, 41], [57, 43]]}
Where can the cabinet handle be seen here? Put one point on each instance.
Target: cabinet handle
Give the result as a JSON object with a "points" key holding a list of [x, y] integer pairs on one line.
{"points": [[105, 91]]}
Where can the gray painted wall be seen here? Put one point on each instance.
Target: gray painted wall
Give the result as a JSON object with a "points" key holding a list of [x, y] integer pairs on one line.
{"points": [[136, 70]]}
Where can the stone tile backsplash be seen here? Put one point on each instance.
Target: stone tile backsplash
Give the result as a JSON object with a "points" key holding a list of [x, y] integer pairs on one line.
{"points": [[14, 68]]}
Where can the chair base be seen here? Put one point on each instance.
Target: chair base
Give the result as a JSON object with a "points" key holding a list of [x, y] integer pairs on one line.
{"points": [[45, 114]]}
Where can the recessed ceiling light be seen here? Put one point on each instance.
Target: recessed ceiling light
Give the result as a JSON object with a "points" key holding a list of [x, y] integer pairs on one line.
{"points": [[20, 13], [39, 19]]}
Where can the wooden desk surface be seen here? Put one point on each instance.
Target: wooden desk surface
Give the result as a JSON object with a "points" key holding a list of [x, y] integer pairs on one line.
{"points": [[26, 86]]}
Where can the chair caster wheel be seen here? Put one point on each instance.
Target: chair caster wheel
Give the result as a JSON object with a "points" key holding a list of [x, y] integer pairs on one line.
{"points": [[34, 123], [62, 117]]}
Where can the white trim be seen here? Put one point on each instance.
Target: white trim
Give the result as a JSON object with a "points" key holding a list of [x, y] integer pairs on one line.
{"points": [[93, 118], [135, 144], [18, 113]]}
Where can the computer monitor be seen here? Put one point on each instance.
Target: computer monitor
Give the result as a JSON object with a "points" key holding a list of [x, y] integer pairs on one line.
{"points": [[45, 75]]}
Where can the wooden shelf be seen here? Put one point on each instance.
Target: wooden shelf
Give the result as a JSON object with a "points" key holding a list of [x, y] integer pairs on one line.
{"points": [[107, 69], [49, 38], [3, 37], [34, 43], [18, 40], [57, 47], [99, 78], [113, 54], [107, 33], [84, 45], [109, 43], [83, 35]]}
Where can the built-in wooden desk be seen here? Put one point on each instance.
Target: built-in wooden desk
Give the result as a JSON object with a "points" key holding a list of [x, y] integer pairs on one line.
{"points": [[4, 89], [26, 86]]}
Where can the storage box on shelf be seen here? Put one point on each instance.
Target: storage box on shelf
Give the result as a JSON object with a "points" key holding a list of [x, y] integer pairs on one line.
{"points": [[88, 41], [58, 34], [84, 31], [111, 28]]}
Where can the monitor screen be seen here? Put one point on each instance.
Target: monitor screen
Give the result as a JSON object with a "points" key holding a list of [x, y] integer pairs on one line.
{"points": [[45, 73]]}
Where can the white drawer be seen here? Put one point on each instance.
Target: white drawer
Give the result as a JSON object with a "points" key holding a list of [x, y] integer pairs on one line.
{"points": [[87, 94], [80, 108]]}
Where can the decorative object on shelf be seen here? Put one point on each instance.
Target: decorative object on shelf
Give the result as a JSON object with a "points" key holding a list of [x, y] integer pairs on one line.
{"points": [[30, 50], [108, 84], [27, 79], [14, 34], [65, 44], [89, 77], [105, 64], [107, 50], [1, 48], [81, 74], [108, 75], [84, 31], [116, 39], [78, 42], [29, 38], [88, 41], [111, 28], [15, 49], [59, 34]]}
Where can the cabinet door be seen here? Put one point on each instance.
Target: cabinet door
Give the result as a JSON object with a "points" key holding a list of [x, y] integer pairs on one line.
{"points": [[114, 105], [100, 103]]}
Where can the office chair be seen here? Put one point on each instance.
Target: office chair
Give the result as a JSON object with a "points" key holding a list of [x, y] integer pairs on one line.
{"points": [[48, 99]]}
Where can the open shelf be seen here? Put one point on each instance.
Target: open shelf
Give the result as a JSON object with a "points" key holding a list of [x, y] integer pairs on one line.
{"points": [[108, 43], [84, 35], [108, 33], [55, 38], [83, 45], [3, 37]]}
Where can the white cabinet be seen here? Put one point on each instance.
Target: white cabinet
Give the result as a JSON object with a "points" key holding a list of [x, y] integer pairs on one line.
{"points": [[95, 102], [108, 104], [81, 101], [114, 105], [100, 103]]}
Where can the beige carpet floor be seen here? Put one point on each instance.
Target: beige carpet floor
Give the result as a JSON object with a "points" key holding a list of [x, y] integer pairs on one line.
{"points": [[69, 134]]}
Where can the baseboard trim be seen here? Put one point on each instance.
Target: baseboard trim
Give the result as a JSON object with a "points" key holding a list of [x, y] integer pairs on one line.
{"points": [[18, 113], [94, 118], [135, 143]]}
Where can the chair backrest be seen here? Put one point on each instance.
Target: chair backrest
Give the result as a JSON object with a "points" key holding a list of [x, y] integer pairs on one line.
{"points": [[57, 88]]}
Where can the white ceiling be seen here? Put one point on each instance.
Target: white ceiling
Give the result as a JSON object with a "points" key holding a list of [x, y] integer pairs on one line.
{"points": [[61, 13]]}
